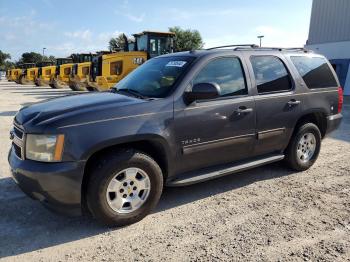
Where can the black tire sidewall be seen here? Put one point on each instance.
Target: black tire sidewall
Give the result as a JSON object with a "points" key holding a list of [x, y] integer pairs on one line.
{"points": [[100, 179], [306, 128]]}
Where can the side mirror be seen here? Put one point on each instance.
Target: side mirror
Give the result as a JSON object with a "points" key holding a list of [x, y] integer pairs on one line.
{"points": [[202, 91]]}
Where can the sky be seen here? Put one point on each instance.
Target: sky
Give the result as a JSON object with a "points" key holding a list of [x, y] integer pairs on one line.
{"points": [[64, 27]]}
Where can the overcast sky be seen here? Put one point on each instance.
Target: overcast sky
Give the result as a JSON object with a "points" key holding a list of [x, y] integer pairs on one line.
{"points": [[68, 26]]}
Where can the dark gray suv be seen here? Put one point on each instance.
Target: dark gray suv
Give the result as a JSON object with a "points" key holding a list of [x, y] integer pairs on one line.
{"points": [[178, 119]]}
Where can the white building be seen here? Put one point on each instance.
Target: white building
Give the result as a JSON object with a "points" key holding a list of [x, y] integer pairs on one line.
{"points": [[329, 35]]}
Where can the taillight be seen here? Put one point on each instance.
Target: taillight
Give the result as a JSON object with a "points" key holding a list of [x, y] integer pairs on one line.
{"points": [[340, 99]]}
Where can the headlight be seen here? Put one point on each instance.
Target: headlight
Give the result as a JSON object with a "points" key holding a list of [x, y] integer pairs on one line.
{"points": [[46, 148]]}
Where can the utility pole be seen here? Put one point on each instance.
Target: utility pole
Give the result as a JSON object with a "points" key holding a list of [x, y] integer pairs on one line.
{"points": [[260, 37]]}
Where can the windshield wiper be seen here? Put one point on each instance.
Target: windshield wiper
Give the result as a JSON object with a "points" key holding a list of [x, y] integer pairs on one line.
{"points": [[133, 92]]}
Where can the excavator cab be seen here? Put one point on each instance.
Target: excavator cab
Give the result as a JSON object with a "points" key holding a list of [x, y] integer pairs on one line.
{"points": [[109, 69], [80, 71], [62, 72], [27, 75]]}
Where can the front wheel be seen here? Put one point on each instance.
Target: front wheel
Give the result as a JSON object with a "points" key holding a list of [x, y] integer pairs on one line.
{"points": [[304, 147], [124, 187]]}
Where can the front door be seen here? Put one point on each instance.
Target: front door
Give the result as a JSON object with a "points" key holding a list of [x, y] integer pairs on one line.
{"points": [[217, 131]]}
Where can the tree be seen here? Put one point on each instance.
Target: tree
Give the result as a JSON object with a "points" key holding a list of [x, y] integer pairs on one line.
{"points": [[118, 43], [31, 57], [186, 40], [3, 58], [7, 65]]}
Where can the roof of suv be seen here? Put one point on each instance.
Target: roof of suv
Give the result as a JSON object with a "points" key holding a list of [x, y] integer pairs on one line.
{"points": [[241, 48]]}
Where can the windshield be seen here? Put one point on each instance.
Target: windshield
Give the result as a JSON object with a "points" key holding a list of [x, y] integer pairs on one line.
{"points": [[156, 77]]}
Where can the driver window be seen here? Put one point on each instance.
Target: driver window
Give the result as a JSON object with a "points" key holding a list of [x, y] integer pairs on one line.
{"points": [[227, 72]]}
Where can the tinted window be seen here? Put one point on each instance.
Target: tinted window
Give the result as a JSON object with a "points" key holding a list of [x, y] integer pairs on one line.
{"points": [[271, 74], [315, 71], [227, 73]]}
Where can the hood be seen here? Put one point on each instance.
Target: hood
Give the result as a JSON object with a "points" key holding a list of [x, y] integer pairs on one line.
{"points": [[59, 108]]}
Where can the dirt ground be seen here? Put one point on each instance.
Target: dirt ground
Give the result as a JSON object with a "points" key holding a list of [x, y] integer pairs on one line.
{"points": [[265, 214]]}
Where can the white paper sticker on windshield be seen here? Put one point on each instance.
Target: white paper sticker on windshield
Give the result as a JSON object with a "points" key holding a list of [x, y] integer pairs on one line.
{"points": [[176, 63]]}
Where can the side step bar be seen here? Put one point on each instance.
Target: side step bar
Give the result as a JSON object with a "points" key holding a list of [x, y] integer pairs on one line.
{"points": [[207, 174]]}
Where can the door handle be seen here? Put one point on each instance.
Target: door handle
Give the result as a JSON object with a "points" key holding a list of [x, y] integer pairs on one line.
{"points": [[293, 102], [243, 110]]}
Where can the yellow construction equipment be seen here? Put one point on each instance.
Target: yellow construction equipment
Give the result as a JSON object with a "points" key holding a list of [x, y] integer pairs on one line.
{"points": [[46, 71], [63, 70], [15, 73], [80, 71], [108, 69], [8, 75], [27, 75]]}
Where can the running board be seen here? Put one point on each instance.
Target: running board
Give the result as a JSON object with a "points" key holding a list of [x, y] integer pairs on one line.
{"points": [[211, 173]]}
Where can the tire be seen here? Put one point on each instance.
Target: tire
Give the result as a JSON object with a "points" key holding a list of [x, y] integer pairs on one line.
{"points": [[105, 171], [293, 159]]}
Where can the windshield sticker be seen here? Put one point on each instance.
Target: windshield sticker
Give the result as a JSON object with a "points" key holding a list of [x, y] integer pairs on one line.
{"points": [[176, 63]]}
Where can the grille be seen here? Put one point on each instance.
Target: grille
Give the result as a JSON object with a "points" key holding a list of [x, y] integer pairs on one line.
{"points": [[18, 142]]}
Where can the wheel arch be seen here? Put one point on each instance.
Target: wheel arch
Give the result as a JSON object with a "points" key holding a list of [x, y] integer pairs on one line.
{"points": [[317, 117], [154, 146]]}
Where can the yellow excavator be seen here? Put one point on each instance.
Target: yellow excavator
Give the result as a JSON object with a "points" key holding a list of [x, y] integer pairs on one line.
{"points": [[28, 74], [62, 72], [46, 70], [80, 71], [108, 69]]}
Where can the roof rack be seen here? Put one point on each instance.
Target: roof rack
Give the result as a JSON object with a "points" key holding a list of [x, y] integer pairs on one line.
{"points": [[224, 46], [257, 48], [296, 49]]}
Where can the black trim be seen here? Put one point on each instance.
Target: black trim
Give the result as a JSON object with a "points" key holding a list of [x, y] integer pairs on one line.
{"points": [[271, 133], [229, 141]]}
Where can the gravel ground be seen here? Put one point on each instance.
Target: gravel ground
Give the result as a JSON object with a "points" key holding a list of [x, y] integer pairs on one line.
{"points": [[265, 214]]}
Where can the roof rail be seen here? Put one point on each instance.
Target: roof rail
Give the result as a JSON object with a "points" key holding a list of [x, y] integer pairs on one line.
{"points": [[296, 49], [257, 48], [223, 46]]}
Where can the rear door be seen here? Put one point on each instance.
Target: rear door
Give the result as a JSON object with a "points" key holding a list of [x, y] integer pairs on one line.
{"points": [[277, 103]]}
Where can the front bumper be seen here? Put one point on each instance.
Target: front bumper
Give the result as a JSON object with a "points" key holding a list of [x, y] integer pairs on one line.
{"points": [[333, 122], [57, 185]]}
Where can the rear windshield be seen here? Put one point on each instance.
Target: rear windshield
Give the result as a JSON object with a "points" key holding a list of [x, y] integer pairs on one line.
{"points": [[156, 77], [315, 71]]}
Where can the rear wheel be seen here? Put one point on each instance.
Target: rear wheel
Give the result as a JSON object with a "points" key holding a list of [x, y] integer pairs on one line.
{"points": [[304, 147], [124, 187]]}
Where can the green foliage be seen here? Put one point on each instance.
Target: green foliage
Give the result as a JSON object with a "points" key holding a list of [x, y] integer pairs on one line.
{"points": [[32, 57], [4, 65], [186, 40], [117, 43]]}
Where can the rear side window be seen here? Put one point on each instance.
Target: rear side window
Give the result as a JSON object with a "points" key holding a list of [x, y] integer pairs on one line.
{"points": [[271, 74], [315, 71], [227, 72]]}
